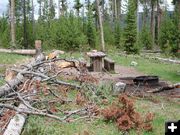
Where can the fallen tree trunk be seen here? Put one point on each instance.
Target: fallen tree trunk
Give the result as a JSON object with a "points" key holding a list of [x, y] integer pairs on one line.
{"points": [[170, 87], [165, 60], [16, 124], [19, 51]]}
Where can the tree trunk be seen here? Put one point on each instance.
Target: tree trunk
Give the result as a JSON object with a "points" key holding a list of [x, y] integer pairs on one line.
{"points": [[25, 25], [58, 8], [40, 9], [33, 23], [178, 4], [152, 22], [145, 13], [12, 12], [137, 13], [103, 9], [118, 5], [115, 9], [159, 13], [101, 26]]}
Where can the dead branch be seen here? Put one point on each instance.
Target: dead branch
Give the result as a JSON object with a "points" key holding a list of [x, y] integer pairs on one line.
{"points": [[45, 77], [74, 112], [27, 111]]}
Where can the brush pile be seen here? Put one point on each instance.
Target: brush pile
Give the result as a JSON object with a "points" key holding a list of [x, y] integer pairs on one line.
{"points": [[37, 87]]}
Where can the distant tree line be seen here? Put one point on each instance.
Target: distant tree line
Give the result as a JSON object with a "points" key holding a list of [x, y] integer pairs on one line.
{"points": [[91, 24]]}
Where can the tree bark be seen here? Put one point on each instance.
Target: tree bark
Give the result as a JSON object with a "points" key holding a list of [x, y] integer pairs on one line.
{"points": [[152, 22], [12, 14], [159, 13], [25, 25], [33, 23], [101, 26]]}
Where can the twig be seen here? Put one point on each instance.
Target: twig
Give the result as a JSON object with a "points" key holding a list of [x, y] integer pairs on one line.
{"points": [[47, 78], [74, 112], [59, 97], [24, 102]]}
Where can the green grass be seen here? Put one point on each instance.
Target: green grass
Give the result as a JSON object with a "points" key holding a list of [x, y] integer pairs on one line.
{"points": [[45, 126], [10, 58], [151, 67], [48, 127], [7, 60]]}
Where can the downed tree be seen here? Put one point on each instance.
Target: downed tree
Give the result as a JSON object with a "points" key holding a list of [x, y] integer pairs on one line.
{"points": [[165, 60], [19, 51], [16, 124], [169, 87]]}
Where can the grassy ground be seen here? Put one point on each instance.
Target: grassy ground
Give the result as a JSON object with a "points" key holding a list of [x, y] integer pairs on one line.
{"points": [[166, 71], [7, 60], [164, 110]]}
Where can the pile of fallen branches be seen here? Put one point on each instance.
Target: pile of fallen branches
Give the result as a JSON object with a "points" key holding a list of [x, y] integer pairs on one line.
{"points": [[26, 84]]}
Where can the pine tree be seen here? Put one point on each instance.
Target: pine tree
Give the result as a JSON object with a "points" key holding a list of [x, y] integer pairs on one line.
{"points": [[78, 6], [130, 32], [51, 9], [117, 34], [168, 35], [176, 21], [91, 36]]}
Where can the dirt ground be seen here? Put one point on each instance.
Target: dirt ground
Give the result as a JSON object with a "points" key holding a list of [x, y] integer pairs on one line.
{"points": [[120, 72], [127, 74]]}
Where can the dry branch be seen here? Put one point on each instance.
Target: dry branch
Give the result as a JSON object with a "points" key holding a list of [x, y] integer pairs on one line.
{"points": [[6, 89], [28, 111]]}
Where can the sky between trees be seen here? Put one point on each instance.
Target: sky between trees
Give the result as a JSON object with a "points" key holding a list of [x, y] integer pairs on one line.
{"points": [[4, 4]]}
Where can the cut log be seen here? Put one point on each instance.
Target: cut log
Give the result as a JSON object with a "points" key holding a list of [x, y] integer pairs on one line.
{"points": [[55, 54], [19, 51], [65, 64], [16, 124], [9, 75], [7, 88]]}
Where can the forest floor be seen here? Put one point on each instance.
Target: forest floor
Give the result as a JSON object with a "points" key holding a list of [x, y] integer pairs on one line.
{"points": [[163, 106]]}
